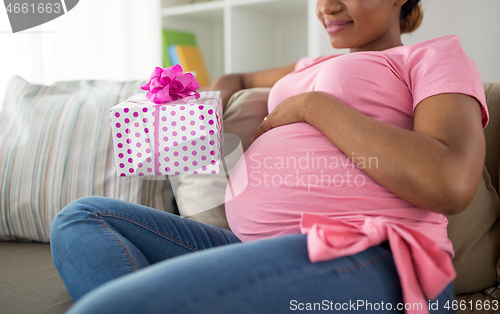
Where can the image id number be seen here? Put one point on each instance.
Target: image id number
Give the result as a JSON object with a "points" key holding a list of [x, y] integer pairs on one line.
{"points": [[478, 305], [32, 8]]}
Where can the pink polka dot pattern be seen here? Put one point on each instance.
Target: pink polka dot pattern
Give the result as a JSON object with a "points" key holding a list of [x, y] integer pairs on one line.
{"points": [[189, 136]]}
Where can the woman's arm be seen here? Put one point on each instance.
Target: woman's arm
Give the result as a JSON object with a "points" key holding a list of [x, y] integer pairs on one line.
{"points": [[437, 166], [231, 83]]}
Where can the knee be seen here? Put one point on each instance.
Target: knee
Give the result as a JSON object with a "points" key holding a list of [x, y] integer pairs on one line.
{"points": [[65, 228], [75, 211]]}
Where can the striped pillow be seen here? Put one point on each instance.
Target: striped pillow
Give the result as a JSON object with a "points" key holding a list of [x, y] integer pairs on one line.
{"points": [[55, 147]]}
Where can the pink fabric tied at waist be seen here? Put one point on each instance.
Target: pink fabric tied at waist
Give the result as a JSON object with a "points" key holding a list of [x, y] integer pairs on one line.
{"points": [[423, 268]]}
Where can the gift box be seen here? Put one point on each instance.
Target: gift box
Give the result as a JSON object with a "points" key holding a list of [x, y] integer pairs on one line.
{"points": [[178, 137]]}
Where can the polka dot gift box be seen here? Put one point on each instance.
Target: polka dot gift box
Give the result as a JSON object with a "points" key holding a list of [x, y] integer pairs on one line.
{"points": [[188, 134], [171, 130]]}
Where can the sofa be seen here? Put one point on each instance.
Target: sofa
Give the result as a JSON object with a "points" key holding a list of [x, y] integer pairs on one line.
{"points": [[29, 282]]}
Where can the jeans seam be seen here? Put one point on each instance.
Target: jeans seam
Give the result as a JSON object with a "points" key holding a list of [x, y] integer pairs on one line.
{"points": [[225, 237], [364, 264], [448, 292], [150, 229], [129, 256]]}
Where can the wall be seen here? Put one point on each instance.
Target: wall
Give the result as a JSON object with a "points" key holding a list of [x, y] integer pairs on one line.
{"points": [[107, 40]]}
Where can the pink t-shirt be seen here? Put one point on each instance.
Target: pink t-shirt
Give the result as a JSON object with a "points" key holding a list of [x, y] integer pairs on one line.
{"points": [[295, 168], [293, 176]]}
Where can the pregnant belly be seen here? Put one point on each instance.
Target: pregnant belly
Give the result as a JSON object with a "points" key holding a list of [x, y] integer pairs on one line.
{"points": [[294, 169]]}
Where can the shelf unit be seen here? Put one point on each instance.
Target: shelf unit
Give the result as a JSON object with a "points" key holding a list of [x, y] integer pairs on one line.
{"points": [[249, 35]]}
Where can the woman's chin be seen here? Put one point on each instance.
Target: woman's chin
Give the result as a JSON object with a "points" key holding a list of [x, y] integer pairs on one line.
{"points": [[338, 44]]}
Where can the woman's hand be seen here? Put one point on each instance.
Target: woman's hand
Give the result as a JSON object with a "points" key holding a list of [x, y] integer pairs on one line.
{"points": [[290, 110]]}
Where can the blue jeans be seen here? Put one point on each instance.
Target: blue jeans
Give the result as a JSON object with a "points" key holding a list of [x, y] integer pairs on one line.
{"points": [[119, 257]]}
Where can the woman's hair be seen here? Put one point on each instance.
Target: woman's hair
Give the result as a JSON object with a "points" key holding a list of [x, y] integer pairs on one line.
{"points": [[411, 16]]}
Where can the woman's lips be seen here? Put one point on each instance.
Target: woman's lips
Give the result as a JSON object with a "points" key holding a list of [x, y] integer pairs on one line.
{"points": [[335, 26]]}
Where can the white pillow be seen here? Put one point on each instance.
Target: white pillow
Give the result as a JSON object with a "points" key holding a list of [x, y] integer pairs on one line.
{"points": [[201, 197], [55, 147]]}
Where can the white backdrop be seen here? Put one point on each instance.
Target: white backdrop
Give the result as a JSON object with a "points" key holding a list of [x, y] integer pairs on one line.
{"points": [[110, 39], [476, 22]]}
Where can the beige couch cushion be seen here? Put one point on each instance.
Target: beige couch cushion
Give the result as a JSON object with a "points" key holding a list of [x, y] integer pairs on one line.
{"points": [[201, 197], [475, 304], [475, 234], [29, 282], [492, 131]]}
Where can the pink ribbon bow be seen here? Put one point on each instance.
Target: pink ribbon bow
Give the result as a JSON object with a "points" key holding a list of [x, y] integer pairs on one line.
{"points": [[166, 85], [423, 268], [170, 84]]}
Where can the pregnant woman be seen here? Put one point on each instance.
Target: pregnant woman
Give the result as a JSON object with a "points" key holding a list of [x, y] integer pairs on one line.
{"points": [[348, 180]]}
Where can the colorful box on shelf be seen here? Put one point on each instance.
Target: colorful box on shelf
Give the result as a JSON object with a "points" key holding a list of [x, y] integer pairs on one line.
{"points": [[187, 134]]}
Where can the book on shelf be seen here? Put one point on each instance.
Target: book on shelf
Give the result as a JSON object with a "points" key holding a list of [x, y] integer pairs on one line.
{"points": [[172, 54], [191, 60], [175, 37]]}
